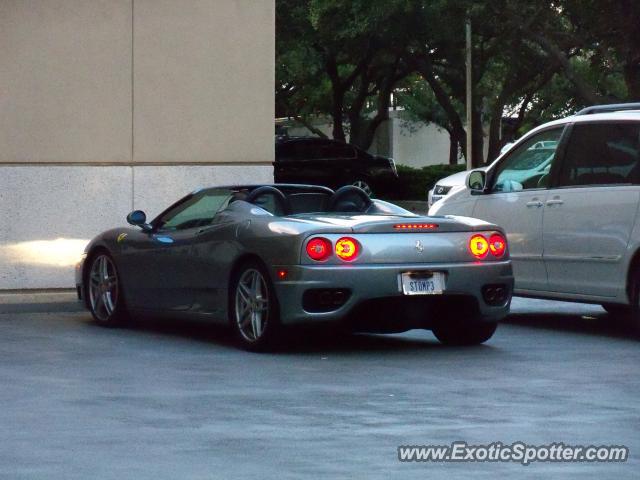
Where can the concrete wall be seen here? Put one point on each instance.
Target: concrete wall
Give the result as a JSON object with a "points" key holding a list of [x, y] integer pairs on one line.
{"points": [[417, 144], [110, 105]]}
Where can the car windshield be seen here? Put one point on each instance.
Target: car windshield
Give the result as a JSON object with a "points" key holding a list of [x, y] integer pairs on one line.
{"points": [[196, 210]]}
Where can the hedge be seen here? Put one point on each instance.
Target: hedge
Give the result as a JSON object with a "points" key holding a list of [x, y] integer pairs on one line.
{"points": [[414, 183]]}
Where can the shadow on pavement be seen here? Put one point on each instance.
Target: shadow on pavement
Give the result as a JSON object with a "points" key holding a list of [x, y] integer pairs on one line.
{"points": [[600, 324], [308, 340]]}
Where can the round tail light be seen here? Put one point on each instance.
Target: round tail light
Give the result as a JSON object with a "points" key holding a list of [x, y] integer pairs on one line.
{"points": [[479, 246], [347, 249], [497, 245], [319, 249]]}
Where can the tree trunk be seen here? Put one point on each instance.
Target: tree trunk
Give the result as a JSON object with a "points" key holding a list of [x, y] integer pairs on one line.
{"points": [[454, 145], [477, 139], [495, 133], [632, 80], [424, 68], [336, 116]]}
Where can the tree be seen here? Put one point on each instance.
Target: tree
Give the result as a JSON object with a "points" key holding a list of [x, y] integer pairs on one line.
{"points": [[354, 53], [534, 59]]}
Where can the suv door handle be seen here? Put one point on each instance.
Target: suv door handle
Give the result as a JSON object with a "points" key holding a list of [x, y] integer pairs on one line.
{"points": [[555, 201], [534, 203]]}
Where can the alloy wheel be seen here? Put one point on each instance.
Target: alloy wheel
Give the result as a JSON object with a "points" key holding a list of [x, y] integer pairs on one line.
{"points": [[252, 305], [363, 186], [103, 287]]}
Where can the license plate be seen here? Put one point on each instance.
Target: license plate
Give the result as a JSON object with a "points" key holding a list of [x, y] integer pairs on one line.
{"points": [[422, 283]]}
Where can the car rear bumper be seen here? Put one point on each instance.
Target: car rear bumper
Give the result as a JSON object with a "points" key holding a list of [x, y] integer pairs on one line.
{"points": [[371, 287]]}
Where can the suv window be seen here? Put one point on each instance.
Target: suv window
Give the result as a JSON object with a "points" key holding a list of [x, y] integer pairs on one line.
{"points": [[601, 154], [197, 211], [528, 165], [337, 150]]}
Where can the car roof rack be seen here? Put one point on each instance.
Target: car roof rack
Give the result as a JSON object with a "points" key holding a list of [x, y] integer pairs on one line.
{"points": [[612, 107]]}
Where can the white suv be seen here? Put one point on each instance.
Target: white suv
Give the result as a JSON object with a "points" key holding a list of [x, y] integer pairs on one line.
{"points": [[572, 213]]}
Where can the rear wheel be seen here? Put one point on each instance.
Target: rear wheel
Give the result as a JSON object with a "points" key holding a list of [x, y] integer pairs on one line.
{"points": [[363, 185], [253, 308], [106, 299], [457, 332]]}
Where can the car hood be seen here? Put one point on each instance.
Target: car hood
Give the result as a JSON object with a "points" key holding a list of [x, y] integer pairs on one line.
{"points": [[457, 179]]}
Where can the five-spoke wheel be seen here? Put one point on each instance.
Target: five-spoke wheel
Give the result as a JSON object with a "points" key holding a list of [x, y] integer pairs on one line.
{"points": [[103, 289], [253, 307], [363, 185]]}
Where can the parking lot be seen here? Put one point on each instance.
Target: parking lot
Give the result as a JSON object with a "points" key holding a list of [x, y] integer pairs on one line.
{"points": [[169, 400]]}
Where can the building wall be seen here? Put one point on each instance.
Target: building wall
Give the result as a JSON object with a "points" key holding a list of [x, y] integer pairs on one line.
{"points": [[111, 105], [416, 144]]}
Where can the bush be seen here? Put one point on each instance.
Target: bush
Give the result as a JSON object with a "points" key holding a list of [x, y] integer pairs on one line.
{"points": [[413, 183]]}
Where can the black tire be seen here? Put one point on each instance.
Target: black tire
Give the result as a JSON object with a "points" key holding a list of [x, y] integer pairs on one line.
{"points": [[456, 332], [105, 295], [634, 309], [257, 327], [617, 310]]}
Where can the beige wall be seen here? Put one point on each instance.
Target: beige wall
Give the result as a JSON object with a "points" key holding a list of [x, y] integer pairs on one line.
{"points": [[151, 81], [202, 72], [111, 105], [65, 81]]}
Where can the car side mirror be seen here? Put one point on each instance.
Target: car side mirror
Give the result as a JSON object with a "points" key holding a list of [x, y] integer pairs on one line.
{"points": [[476, 181], [138, 218]]}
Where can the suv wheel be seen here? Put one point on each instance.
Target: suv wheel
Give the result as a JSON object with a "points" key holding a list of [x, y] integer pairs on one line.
{"points": [[617, 310], [362, 184]]}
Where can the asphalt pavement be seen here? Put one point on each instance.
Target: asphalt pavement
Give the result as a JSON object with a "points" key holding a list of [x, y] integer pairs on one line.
{"points": [[172, 400]]}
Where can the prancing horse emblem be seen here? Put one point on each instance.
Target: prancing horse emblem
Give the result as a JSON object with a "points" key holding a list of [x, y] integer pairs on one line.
{"points": [[419, 246]]}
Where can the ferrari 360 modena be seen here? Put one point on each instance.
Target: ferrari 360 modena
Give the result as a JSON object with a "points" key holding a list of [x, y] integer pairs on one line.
{"points": [[261, 258]]}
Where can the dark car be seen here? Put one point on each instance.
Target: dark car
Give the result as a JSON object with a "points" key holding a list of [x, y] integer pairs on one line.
{"points": [[321, 161]]}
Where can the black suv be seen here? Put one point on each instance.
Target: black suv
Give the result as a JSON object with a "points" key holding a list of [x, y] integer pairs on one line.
{"points": [[321, 161]]}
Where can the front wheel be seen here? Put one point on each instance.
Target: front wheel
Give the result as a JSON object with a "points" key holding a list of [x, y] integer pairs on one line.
{"points": [[253, 308], [464, 333], [106, 299]]}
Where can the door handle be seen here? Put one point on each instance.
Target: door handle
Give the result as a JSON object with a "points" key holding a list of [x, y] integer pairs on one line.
{"points": [[555, 201], [534, 203]]}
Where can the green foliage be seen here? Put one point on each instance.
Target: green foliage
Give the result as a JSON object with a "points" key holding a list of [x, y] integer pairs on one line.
{"points": [[414, 183], [535, 60]]}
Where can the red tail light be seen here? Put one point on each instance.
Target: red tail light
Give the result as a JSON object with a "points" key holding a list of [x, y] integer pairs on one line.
{"points": [[497, 245], [479, 246], [347, 249], [319, 249]]}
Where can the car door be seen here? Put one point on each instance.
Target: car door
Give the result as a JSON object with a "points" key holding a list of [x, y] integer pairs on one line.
{"points": [[591, 209], [164, 270], [287, 164], [515, 200]]}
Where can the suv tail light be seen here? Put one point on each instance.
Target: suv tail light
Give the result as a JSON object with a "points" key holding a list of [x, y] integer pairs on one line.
{"points": [[497, 245], [319, 249], [347, 249]]}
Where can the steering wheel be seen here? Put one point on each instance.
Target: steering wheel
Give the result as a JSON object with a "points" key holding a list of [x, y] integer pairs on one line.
{"points": [[280, 198], [354, 199]]}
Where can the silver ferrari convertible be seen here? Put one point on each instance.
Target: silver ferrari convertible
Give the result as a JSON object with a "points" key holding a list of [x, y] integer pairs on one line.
{"points": [[263, 257]]}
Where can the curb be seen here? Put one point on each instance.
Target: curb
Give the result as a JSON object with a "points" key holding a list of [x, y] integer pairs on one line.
{"points": [[39, 301]]}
